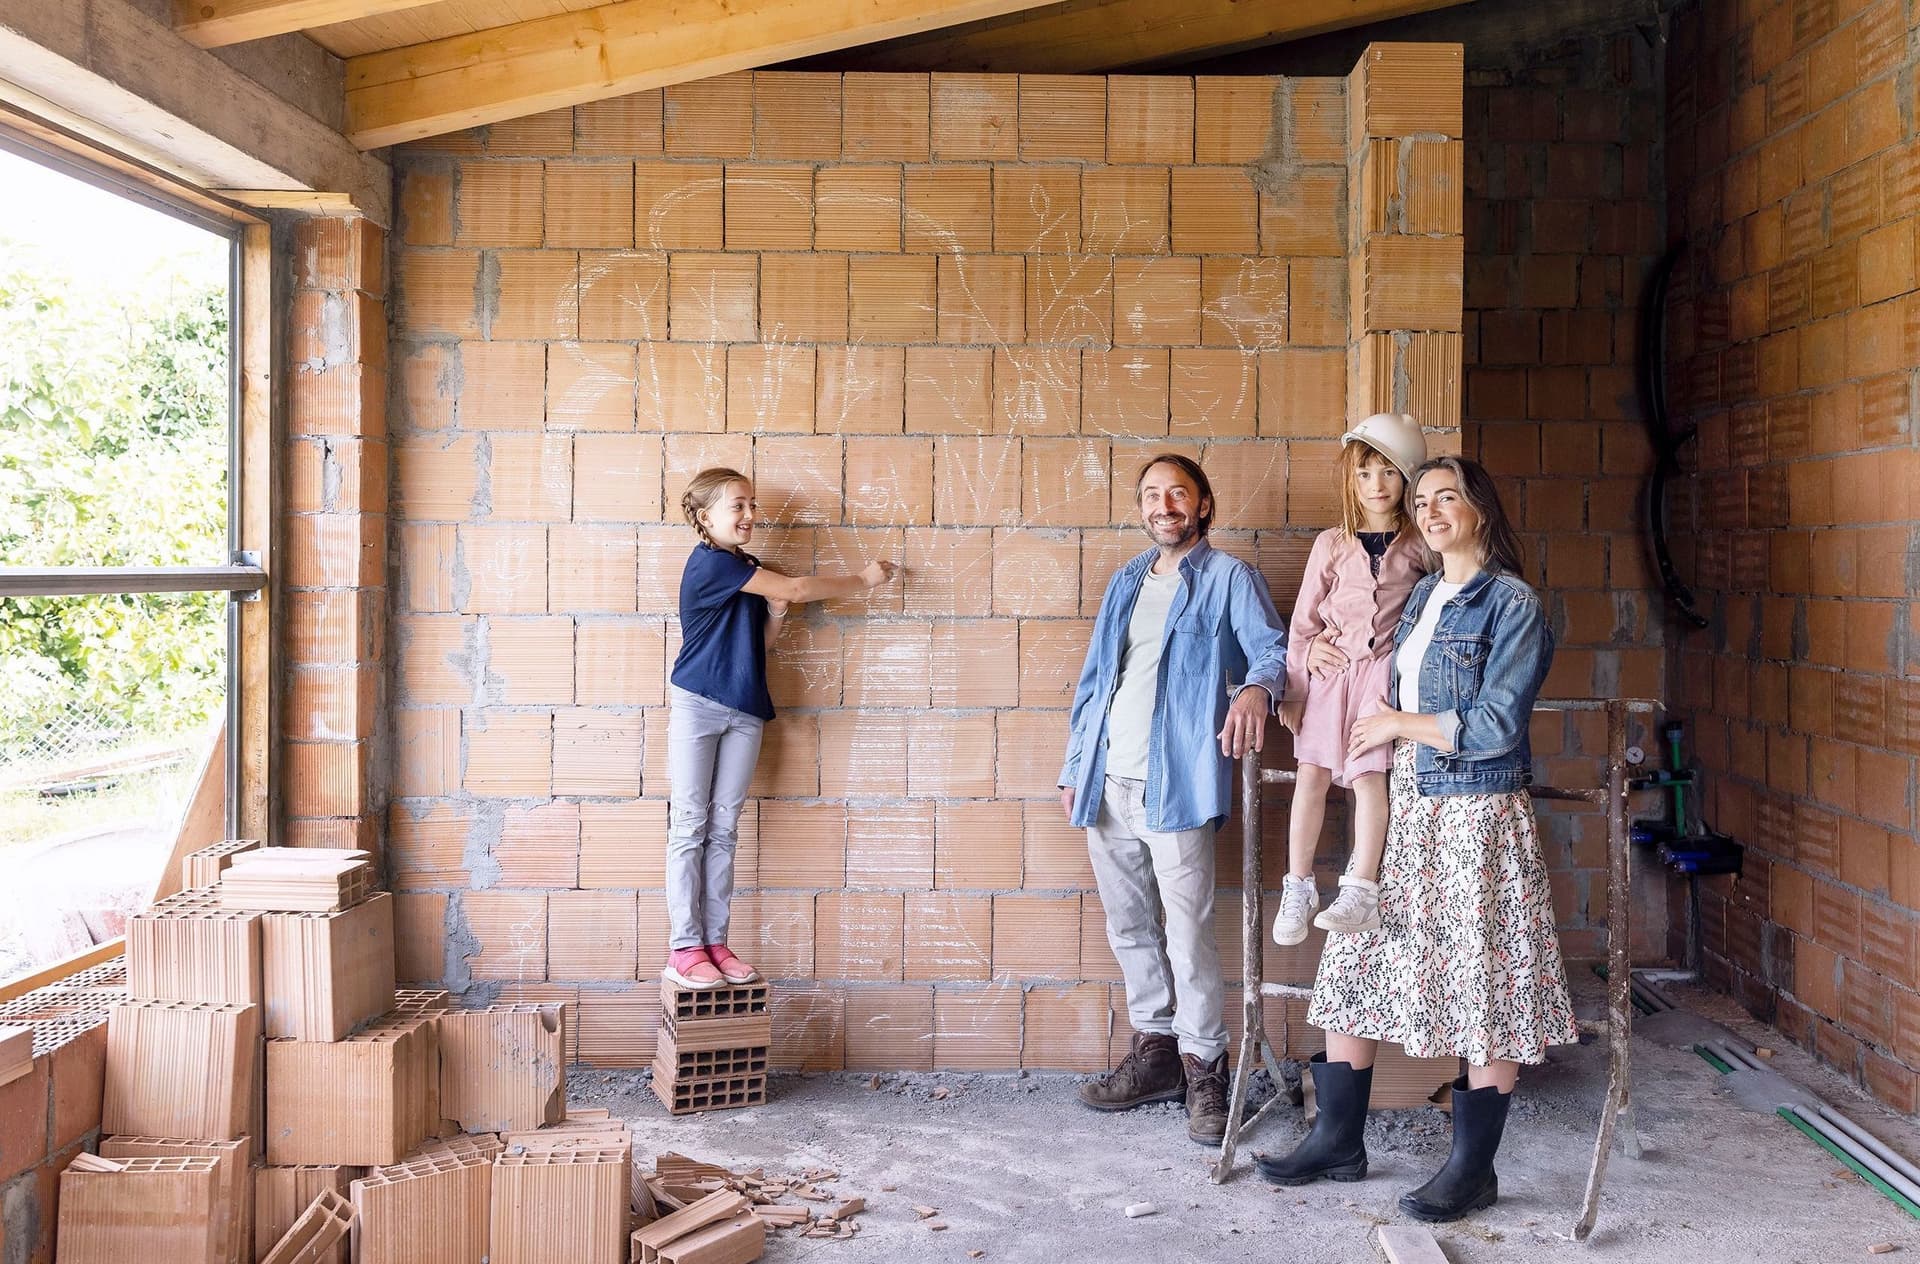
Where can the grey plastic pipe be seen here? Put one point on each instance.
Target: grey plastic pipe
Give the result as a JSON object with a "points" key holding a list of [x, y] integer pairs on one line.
{"points": [[1873, 1163], [1650, 998], [1868, 1141], [1654, 993]]}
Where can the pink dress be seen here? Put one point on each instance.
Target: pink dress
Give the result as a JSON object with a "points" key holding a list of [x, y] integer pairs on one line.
{"points": [[1340, 594]]}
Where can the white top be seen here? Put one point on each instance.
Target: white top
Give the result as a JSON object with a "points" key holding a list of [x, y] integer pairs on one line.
{"points": [[1130, 718], [1413, 651]]}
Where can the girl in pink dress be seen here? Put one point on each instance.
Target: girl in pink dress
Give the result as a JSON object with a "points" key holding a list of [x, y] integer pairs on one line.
{"points": [[1356, 583]]}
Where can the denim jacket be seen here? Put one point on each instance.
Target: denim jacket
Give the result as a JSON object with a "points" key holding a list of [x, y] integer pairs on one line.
{"points": [[1490, 654], [1221, 627]]}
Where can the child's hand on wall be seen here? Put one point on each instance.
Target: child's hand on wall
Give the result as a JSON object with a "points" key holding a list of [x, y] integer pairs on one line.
{"points": [[878, 572]]}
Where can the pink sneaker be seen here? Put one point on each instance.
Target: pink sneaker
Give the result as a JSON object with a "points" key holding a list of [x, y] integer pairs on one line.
{"points": [[691, 968], [731, 968]]}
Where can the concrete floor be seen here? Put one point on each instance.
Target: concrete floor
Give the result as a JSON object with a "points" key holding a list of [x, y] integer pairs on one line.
{"points": [[1021, 1173]]}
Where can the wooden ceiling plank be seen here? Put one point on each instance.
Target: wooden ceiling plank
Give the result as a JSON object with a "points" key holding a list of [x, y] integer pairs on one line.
{"points": [[468, 80], [218, 23], [1082, 37], [373, 35]]}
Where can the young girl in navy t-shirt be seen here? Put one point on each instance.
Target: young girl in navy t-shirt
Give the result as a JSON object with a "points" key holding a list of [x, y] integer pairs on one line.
{"points": [[731, 608]]}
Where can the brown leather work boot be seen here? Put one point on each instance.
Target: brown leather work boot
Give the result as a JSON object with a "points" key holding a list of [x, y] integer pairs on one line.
{"points": [[1149, 1073], [1206, 1099]]}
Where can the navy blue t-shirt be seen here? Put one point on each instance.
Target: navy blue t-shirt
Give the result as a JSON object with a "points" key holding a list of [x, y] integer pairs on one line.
{"points": [[723, 653]]}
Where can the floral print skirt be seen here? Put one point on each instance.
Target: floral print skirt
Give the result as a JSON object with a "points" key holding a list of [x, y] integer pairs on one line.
{"points": [[1466, 961]]}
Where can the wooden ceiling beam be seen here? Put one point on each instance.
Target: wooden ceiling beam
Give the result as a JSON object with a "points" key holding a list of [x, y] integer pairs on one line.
{"points": [[467, 80], [1087, 36], [217, 23], [110, 72]]}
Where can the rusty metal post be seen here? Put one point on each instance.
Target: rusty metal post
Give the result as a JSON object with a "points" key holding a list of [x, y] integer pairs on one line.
{"points": [[1619, 963], [1252, 1029]]}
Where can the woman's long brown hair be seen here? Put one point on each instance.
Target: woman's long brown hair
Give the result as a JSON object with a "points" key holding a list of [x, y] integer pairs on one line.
{"points": [[1499, 544]]}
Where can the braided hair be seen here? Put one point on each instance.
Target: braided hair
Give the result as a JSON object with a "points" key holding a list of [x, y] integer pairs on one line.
{"points": [[701, 494]]}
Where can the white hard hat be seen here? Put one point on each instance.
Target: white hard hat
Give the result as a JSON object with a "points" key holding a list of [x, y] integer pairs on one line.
{"points": [[1395, 436]]}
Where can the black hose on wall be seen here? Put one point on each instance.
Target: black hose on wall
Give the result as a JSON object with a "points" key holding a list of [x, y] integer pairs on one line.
{"points": [[1666, 444]]}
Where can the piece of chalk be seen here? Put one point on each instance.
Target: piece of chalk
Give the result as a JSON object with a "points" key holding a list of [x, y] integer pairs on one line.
{"points": [[1136, 1210]]}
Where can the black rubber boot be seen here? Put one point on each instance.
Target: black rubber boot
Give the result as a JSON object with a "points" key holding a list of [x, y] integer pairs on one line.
{"points": [[1336, 1147], [1467, 1182]]}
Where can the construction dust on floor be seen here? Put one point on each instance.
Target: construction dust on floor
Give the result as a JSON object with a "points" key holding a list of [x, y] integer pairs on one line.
{"points": [[1017, 1171]]}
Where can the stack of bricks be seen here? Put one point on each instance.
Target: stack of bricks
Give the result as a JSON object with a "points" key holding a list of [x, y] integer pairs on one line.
{"points": [[297, 880], [1793, 166], [184, 1053], [334, 531], [381, 1109], [203, 868], [363, 1116], [52, 1113], [713, 1047], [937, 318], [349, 1072]]}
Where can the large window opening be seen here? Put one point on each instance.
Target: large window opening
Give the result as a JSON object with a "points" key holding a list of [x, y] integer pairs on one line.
{"points": [[117, 415]]}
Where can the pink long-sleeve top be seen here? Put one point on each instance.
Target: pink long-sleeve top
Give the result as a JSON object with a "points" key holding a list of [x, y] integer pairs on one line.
{"points": [[1340, 592]]}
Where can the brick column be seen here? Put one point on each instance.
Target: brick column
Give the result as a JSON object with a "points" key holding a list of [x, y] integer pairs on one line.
{"points": [[334, 533], [1406, 260]]}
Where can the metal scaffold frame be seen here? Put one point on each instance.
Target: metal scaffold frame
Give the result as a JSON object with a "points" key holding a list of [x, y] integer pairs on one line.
{"points": [[1256, 1050]]}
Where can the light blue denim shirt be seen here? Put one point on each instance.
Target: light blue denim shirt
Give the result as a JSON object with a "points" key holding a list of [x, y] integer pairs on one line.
{"points": [[1222, 634], [1489, 657]]}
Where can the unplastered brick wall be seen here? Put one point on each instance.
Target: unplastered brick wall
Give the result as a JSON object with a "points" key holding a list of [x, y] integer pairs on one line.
{"points": [[941, 319], [333, 533], [1795, 180], [1564, 215]]}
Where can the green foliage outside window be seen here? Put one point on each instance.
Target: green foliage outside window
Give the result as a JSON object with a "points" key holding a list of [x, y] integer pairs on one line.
{"points": [[113, 452]]}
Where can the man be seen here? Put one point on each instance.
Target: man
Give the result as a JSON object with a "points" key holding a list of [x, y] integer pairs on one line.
{"points": [[1188, 651]]}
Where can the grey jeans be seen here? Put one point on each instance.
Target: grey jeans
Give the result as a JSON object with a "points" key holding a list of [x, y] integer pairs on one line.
{"points": [[711, 751], [1140, 872]]}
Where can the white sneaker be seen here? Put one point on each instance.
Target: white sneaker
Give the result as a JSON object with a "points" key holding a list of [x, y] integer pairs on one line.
{"points": [[1356, 909], [1298, 899]]}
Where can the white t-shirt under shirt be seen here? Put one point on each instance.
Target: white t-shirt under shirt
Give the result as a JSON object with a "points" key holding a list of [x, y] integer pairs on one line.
{"points": [[1130, 718], [1413, 651]]}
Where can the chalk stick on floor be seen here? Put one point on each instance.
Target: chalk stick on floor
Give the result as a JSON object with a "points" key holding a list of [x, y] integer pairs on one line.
{"points": [[1410, 1244]]}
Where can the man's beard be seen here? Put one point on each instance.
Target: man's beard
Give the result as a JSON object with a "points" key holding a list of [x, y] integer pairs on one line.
{"points": [[1189, 531]]}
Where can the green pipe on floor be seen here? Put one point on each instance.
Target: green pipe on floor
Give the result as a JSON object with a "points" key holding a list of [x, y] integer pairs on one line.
{"points": [[1786, 1113]]}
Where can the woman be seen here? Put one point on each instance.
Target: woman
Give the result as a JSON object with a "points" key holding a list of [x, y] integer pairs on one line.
{"points": [[1466, 962]]}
